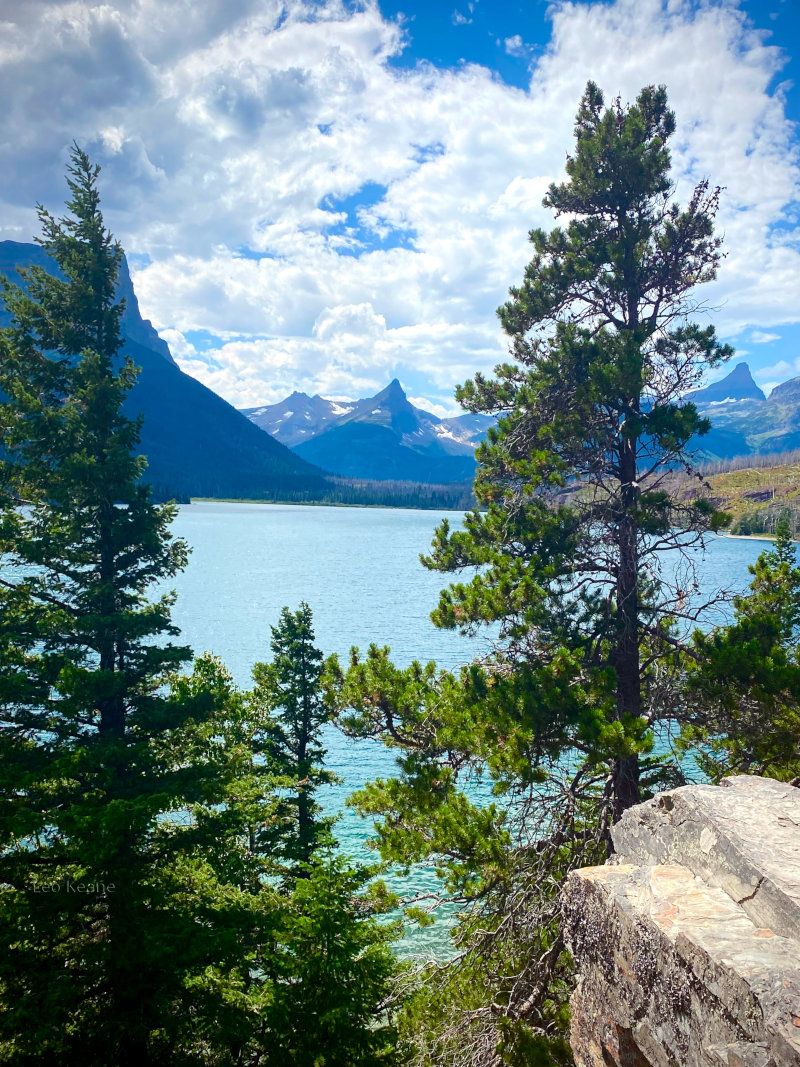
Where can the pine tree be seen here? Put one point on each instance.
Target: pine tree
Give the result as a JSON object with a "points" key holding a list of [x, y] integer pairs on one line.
{"points": [[742, 705], [139, 922], [125, 900], [575, 477], [333, 975], [581, 561], [288, 701], [331, 971]]}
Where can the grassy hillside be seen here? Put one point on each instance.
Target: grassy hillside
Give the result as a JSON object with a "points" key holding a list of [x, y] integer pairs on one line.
{"points": [[755, 491]]}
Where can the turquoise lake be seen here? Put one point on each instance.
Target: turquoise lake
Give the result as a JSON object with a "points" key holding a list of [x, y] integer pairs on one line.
{"points": [[359, 570]]}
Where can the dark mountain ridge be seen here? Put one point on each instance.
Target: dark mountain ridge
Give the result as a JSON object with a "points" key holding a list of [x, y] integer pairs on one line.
{"points": [[195, 442], [736, 386], [743, 420], [15, 254]]}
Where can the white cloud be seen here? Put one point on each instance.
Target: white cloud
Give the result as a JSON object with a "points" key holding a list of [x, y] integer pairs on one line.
{"points": [[460, 18], [781, 370], [444, 411], [236, 137], [759, 337], [515, 46]]}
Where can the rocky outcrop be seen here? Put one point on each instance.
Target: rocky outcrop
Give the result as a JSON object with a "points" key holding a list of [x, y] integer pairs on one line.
{"points": [[687, 945]]}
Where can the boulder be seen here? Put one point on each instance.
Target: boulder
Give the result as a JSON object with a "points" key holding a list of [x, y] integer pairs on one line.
{"points": [[687, 944]]}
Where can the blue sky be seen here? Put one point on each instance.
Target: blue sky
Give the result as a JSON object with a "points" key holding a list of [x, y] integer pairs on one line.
{"points": [[475, 31], [507, 37], [323, 195]]}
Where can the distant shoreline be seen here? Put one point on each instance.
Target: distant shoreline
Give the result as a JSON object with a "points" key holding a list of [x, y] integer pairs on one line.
{"points": [[758, 537], [317, 504]]}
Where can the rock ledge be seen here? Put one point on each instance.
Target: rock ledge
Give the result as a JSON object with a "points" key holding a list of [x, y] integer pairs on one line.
{"points": [[688, 944]]}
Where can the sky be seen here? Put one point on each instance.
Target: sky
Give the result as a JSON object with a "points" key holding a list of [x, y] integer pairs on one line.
{"points": [[323, 195]]}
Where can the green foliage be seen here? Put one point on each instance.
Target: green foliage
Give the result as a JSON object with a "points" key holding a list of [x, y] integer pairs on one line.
{"points": [[332, 974], [288, 704], [743, 700], [765, 520], [500, 858], [351, 492], [591, 423], [330, 968], [125, 901], [745, 525], [140, 923], [553, 732]]}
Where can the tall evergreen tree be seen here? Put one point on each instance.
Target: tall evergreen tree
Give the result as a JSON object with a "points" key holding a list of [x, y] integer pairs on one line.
{"points": [[332, 974], [124, 885], [288, 702], [139, 925], [331, 968], [592, 422], [581, 562]]}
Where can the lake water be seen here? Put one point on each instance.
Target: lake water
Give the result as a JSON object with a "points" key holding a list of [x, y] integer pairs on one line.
{"points": [[359, 570]]}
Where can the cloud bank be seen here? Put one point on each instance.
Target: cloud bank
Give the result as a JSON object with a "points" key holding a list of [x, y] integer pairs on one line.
{"points": [[302, 212]]}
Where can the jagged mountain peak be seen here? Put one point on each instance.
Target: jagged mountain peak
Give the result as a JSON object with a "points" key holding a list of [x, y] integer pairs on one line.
{"points": [[380, 436], [393, 396], [393, 389], [297, 418], [736, 386]]}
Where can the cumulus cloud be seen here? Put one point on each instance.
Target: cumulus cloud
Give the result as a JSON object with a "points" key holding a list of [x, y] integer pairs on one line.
{"points": [[444, 411], [327, 219], [782, 370], [515, 46]]}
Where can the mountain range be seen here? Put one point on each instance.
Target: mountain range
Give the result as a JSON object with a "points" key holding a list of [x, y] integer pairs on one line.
{"points": [[386, 436], [379, 437], [196, 443], [199, 445], [744, 421]]}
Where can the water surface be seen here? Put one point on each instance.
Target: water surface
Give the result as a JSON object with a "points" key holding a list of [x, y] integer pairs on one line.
{"points": [[359, 570]]}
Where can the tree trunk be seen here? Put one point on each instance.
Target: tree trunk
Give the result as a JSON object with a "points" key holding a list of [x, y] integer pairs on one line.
{"points": [[626, 659]]}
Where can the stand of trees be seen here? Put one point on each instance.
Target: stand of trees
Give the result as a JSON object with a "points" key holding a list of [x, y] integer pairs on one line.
{"points": [[351, 492], [170, 892], [143, 920], [741, 710]]}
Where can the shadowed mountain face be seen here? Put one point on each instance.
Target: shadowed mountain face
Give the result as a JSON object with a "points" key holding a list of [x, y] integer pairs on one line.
{"points": [[734, 388], [381, 437], [196, 443], [14, 254]]}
